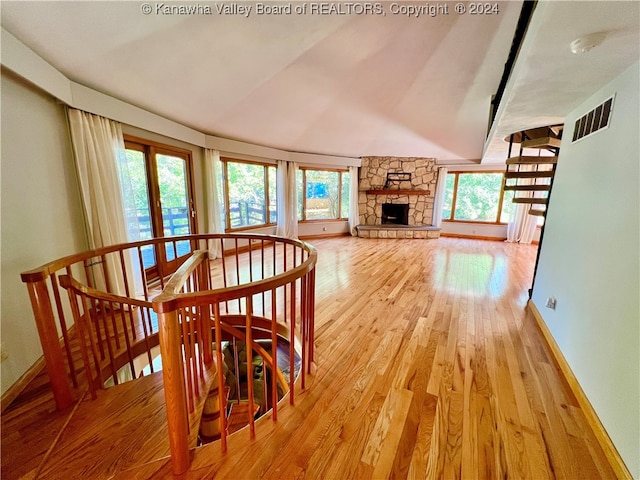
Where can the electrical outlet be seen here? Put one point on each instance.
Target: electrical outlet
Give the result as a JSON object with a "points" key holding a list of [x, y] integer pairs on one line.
{"points": [[551, 303], [324, 229]]}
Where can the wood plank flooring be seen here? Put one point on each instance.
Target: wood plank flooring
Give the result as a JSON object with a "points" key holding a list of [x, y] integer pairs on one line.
{"points": [[427, 366]]}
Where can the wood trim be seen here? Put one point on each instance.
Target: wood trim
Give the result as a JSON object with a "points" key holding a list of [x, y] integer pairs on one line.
{"points": [[324, 235], [610, 451], [143, 141], [473, 237], [16, 389], [386, 191], [477, 222]]}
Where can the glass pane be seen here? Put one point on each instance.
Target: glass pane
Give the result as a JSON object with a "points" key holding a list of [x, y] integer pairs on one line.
{"points": [[478, 196], [321, 195], [448, 196], [174, 199], [344, 205], [133, 179], [508, 207], [246, 194], [273, 195]]}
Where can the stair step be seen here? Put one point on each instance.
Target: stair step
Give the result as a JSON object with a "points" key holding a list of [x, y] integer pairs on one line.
{"points": [[537, 213], [530, 160], [546, 174], [532, 200], [542, 142], [239, 416], [528, 188]]}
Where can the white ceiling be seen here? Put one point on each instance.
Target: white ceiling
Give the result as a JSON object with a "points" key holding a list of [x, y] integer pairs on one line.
{"points": [[349, 85], [549, 81]]}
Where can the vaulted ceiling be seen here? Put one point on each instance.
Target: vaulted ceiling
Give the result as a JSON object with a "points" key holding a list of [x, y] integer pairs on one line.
{"points": [[350, 85]]}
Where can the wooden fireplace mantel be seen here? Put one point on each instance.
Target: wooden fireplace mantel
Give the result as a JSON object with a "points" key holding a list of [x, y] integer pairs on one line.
{"points": [[389, 191]]}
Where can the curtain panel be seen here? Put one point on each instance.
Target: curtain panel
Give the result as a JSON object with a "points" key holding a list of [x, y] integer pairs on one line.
{"points": [[354, 214], [438, 202], [213, 177], [98, 148], [522, 226], [287, 199]]}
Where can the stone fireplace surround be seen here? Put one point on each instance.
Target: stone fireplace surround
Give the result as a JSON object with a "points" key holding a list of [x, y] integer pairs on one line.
{"points": [[418, 193]]}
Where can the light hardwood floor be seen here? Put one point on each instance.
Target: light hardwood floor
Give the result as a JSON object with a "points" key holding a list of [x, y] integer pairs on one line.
{"points": [[428, 366]]}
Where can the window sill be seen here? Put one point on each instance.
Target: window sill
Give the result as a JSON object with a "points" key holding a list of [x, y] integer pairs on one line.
{"points": [[478, 222]]}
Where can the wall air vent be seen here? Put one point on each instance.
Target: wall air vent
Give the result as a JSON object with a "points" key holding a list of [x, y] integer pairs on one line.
{"points": [[595, 120]]}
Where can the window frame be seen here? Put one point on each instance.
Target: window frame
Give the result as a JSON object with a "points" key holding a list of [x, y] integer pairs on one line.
{"points": [[455, 197], [225, 186], [340, 171], [150, 149]]}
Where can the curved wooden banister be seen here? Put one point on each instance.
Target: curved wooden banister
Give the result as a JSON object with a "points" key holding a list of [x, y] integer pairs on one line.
{"points": [[262, 287], [67, 281]]}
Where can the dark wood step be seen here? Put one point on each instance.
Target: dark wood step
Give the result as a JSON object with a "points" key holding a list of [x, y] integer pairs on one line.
{"points": [[542, 142], [537, 213], [545, 174], [532, 201], [531, 160], [528, 188]]}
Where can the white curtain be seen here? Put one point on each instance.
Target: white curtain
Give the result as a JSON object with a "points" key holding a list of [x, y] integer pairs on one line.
{"points": [[354, 215], [213, 174], [522, 226], [287, 199], [98, 147], [439, 197]]}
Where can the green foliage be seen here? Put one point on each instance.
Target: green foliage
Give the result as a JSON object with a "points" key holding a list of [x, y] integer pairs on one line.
{"points": [[477, 199]]}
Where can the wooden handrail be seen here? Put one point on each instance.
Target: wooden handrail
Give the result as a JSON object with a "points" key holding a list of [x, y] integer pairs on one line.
{"points": [[190, 307]]}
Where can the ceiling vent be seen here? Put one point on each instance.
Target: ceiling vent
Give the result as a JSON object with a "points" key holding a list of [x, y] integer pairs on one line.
{"points": [[595, 120]]}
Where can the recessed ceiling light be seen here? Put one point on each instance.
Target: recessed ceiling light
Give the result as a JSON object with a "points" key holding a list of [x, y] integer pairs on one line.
{"points": [[587, 42]]}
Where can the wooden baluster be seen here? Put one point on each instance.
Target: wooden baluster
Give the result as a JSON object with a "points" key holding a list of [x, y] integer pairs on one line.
{"points": [[105, 325], [224, 273], [303, 327], [87, 305], [54, 361], [174, 390], [63, 328], [238, 273], [249, 334], [262, 277], [125, 310], [184, 324], [292, 341], [105, 272], [80, 323], [274, 356], [221, 397]]}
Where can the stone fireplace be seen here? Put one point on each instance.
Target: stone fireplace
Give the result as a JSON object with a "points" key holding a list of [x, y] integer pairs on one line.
{"points": [[396, 196]]}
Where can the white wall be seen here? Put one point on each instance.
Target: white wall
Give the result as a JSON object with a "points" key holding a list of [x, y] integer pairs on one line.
{"points": [[590, 262], [41, 214]]}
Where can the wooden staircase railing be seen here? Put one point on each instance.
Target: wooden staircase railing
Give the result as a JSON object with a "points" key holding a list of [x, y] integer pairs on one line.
{"points": [[262, 288]]}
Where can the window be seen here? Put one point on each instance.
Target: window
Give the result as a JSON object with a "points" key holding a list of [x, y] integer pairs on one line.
{"points": [[476, 197], [158, 199], [250, 194], [322, 194]]}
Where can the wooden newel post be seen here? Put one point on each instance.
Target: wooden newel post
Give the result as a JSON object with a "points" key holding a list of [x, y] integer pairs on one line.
{"points": [[174, 391], [53, 358]]}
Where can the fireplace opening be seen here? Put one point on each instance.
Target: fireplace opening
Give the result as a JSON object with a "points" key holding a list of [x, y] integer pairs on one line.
{"points": [[395, 213]]}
